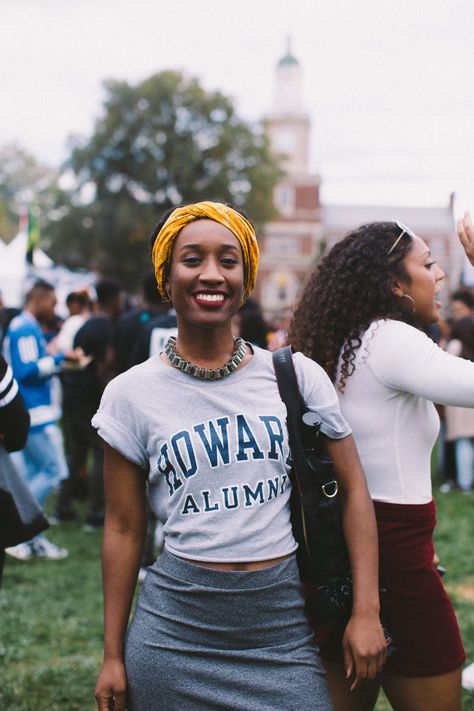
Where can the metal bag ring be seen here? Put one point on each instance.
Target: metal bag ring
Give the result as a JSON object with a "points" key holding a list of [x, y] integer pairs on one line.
{"points": [[332, 485]]}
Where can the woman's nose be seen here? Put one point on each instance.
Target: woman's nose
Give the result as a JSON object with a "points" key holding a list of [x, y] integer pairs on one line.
{"points": [[210, 271]]}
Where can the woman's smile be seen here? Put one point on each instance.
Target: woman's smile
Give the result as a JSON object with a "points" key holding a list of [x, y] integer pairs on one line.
{"points": [[210, 299]]}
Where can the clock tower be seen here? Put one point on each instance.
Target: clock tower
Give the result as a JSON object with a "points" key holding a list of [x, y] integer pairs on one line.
{"points": [[292, 242], [288, 124]]}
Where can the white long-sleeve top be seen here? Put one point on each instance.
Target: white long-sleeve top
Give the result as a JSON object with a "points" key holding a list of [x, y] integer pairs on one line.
{"points": [[388, 403]]}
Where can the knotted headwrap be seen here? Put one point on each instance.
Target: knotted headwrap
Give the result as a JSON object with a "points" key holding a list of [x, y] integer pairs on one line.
{"points": [[217, 211]]}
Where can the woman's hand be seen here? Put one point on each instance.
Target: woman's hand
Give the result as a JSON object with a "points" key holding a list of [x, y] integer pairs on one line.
{"points": [[465, 231], [111, 686], [364, 648]]}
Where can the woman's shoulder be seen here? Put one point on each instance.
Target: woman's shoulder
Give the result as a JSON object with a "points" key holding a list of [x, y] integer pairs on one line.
{"points": [[308, 373], [307, 365], [385, 331], [312, 377], [392, 344], [302, 364], [389, 325], [136, 377]]}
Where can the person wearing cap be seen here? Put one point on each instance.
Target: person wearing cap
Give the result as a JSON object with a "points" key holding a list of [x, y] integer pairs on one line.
{"points": [[220, 618]]}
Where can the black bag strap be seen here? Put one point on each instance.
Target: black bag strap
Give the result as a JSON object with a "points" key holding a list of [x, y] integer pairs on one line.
{"points": [[313, 470], [291, 396]]}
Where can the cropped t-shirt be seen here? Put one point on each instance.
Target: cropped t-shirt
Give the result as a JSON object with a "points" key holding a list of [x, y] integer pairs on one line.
{"points": [[388, 402], [216, 452]]}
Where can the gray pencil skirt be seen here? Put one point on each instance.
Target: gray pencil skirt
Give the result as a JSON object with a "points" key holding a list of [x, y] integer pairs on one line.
{"points": [[204, 639]]}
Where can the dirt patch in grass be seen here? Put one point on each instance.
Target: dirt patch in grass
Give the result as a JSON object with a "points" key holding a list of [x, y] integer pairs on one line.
{"points": [[464, 592]]}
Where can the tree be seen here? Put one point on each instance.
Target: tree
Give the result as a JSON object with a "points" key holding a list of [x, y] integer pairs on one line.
{"points": [[159, 143], [23, 181]]}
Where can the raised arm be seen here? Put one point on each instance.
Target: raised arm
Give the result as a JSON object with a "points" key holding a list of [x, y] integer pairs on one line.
{"points": [[363, 643], [124, 536]]}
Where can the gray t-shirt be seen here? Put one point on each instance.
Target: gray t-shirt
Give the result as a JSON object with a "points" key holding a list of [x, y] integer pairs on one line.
{"points": [[216, 452]]}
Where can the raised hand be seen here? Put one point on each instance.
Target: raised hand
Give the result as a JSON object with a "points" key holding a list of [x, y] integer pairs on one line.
{"points": [[465, 230]]}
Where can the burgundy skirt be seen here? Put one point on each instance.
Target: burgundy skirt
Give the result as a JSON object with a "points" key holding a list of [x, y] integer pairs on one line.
{"points": [[415, 607]]}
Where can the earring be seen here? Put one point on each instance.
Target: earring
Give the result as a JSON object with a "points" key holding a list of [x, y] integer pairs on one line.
{"points": [[407, 296]]}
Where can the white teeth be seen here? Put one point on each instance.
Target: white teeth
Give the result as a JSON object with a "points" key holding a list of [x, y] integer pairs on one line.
{"points": [[210, 297]]}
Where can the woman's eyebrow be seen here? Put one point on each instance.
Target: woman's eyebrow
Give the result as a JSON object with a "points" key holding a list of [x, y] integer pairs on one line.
{"points": [[199, 246]]}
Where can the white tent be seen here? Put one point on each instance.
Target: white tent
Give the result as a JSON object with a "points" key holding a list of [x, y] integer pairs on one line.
{"points": [[16, 275]]}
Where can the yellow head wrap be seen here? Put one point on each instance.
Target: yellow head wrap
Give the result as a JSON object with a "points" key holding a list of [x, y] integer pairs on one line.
{"points": [[217, 211]]}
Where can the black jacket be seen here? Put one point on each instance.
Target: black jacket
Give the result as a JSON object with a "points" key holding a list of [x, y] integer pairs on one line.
{"points": [[14, 417]]}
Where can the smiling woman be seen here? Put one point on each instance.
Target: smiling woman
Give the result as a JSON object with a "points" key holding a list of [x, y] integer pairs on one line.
{"points": [[220, 619]]}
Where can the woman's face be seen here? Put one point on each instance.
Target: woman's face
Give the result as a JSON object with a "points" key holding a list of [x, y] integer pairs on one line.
{"points": [[206, 279], [425, 277]]}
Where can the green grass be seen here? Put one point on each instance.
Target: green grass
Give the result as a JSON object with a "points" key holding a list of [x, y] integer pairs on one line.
{"points": [[51, 614], [51, 619]]}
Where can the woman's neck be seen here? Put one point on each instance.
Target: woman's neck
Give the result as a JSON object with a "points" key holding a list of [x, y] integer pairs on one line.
{"points": [[209, 348]]}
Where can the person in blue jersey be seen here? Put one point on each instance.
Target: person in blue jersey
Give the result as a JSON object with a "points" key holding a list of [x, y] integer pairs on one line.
{"points": [[42, 460], [220, 620]]}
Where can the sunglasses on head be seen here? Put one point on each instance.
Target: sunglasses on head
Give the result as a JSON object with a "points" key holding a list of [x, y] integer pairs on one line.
{"points": [[404, 230]]}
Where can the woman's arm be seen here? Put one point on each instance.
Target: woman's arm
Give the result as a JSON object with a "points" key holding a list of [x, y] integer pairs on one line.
{"points": [[364, 642], [405, 359], [124, 536]]}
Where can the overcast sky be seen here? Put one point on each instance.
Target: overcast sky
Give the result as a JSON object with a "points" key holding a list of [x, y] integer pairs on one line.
{"points": [[389, 84]]}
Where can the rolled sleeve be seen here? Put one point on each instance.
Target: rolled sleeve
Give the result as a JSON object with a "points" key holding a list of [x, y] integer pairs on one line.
{"points": [[118, 423], [120, 438]]}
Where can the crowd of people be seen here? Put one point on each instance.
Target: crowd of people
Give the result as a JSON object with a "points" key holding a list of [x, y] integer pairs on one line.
{"points": [[201, 416], [63, 366]]}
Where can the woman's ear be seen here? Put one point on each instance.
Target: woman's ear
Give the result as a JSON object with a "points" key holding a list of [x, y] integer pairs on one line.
{"points": [[167, 290], [397, 289]]}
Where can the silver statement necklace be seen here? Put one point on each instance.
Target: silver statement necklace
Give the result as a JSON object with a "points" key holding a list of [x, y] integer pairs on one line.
{"points": [[206, 373]]}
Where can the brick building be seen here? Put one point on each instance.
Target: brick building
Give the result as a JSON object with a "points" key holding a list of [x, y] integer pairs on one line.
{"points": [[304, 229]]}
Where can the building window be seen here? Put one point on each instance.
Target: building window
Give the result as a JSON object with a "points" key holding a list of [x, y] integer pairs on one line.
{"points": [[284, 198], [281, 246]]}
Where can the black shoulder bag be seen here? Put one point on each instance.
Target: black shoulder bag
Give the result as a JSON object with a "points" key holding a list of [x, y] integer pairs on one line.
{"points": [[316, 513]]}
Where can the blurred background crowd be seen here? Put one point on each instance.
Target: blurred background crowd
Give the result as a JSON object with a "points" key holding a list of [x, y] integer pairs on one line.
{"points": [[79, 305], [62, 366]]}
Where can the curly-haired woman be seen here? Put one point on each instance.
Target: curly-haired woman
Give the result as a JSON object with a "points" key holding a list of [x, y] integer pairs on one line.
{"points": [[220, 620], [359, 318]]}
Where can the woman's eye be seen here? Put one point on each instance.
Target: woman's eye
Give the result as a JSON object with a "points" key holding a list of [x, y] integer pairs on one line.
{"points": [[229, 261], [430, 264], [191, 261]]}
